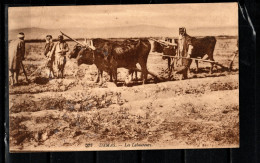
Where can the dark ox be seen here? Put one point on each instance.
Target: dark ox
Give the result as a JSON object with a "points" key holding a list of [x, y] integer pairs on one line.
{"points": [[75, 51], [84, 51], [166, 50], [74, 54], [110, 55], [201, 47], [198, 48]]}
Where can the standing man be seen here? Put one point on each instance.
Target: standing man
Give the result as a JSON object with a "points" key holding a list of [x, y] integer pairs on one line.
{"points": [[16, 55], [47, 52], [59, 50], [184, 50], [48, 45]]}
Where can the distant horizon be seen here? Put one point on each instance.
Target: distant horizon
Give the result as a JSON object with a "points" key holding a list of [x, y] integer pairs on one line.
{"points": [[124, 21], [112, 16], [122, 32], [118, 27]]}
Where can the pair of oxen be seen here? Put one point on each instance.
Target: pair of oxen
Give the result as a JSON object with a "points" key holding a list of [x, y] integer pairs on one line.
{"points": [[110, 55]]}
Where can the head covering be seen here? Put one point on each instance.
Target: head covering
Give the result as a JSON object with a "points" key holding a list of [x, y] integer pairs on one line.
{"points": [[182, 29], [60, 36], [20, 35], [49, 36]]}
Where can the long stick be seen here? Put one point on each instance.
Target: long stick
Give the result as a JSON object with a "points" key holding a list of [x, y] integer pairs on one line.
{"points": [[163, 42], [25, 74], [204, 60], [92, 47], [71, 38]]}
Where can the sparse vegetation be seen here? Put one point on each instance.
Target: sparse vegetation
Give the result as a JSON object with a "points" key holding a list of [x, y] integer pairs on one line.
{"points": [[202, 111]]}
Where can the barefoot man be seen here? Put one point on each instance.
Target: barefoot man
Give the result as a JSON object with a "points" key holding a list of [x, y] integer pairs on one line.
{"points": [[47, 52], [184, 50], [59, 50], [16, 55]]}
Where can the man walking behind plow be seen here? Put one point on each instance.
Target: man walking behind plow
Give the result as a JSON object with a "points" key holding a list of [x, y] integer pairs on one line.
{"points": [[15, 57], [184, 50]]}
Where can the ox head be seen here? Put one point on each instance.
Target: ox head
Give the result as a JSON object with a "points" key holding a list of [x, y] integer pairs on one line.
{"points": [[169, 50], [75, 51], [157, 47], [85, 56]]}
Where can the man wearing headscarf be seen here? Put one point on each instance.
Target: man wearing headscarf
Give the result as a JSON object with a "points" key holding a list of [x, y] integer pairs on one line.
{"points": [[184, 50], [48, 45], [59, 50], [47, 52], [15, 57]]}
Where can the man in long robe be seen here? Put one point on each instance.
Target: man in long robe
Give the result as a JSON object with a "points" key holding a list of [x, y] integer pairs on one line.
{"points": [[15, 57], [47, 52], [184, 50], [59, 50]]}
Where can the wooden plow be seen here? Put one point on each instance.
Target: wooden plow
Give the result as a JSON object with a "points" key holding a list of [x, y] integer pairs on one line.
{"points": [[165, 43], [203, 60]]}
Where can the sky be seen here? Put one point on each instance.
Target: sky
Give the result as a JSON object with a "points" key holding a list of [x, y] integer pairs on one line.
{"points": [[163, 15]]}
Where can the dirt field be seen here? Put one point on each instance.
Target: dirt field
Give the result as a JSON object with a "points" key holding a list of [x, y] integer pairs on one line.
{"points": [[65, 114]]}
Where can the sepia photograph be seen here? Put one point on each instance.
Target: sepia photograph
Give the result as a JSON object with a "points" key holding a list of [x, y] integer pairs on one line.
{"points": [[123, 77]]}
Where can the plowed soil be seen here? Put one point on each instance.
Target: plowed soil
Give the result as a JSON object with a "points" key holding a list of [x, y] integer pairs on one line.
{"points": [[65, 114]]}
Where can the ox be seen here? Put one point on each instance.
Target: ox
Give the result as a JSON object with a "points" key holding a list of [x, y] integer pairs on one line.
{"points": [[74, 54], [201, 47], [110, 55], [166, 50], [192, 47]]}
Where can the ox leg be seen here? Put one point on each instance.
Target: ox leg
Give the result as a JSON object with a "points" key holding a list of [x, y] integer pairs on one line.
{"points": [[212, 64], [144, 72], [169, 63], [211, 68], [101, 78], [58, 74], [97, 78], [115, 75], [131, 74], [111, 77], [49, 73], [136, 78], [197, 66], [62, 73]]}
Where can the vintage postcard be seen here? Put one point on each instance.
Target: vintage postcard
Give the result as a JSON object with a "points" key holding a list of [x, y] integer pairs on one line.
{"points": [[123, 77]]}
